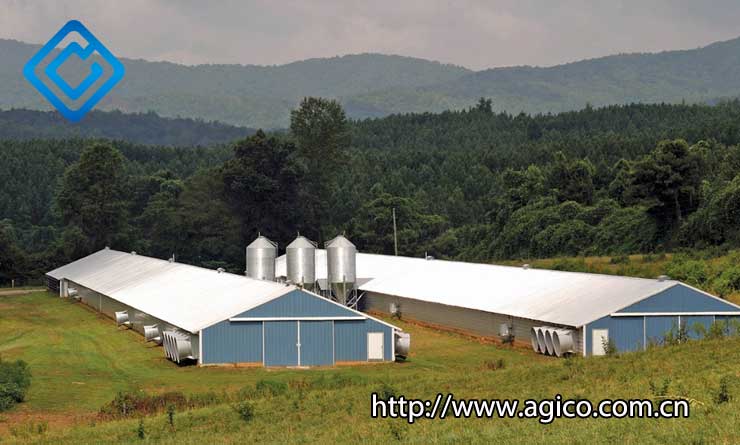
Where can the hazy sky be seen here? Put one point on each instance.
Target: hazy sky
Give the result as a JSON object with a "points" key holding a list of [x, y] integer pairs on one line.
{"points": [[476, 34]]}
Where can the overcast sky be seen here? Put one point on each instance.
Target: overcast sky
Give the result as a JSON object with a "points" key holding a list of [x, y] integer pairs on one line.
{"points": [[475, 34]]}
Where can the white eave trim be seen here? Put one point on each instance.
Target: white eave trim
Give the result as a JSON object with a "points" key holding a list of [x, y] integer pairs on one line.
{"points": [[668, 314], [294, 318]]}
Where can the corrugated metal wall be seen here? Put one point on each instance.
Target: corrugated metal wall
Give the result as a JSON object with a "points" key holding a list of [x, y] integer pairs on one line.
{"points": [[680, 298], [298, 303], [322, 342], [632, 333], [233, 342], [351, 339], [475, 322]]}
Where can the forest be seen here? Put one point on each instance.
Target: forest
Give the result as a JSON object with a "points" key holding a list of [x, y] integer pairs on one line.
{"points": [[474, 185]]}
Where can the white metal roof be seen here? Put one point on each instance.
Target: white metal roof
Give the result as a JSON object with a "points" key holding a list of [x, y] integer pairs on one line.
{"points": [[189, 297], [567, 298]]}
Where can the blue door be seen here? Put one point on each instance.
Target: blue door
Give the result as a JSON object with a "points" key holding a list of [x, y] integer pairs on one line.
{"points": [[281, 343], [317, 343]]}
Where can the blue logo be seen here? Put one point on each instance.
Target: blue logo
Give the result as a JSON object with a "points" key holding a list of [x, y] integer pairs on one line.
{"points": [[74, 111]]}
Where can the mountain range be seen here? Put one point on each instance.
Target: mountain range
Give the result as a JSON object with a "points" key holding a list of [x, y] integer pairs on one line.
{"points": [[375, 85]]}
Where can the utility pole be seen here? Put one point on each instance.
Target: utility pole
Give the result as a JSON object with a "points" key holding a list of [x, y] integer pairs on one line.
{"points": [[395, 233]]}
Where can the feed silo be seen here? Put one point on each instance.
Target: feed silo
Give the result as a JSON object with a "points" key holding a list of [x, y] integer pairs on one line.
{"points": [[341, 267], [301, 262], [261, 254]]}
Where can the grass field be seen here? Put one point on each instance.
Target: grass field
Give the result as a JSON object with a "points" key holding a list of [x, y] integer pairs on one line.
{"points": [[80, 360]]}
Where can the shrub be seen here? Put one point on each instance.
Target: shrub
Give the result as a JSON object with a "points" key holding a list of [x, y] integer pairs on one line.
{"points": [[270, 388], [622, 259], [660, 390], [29, 429], [728, 281], [171, 414], [723, 393], [493, 365], [132, 404], [15, 379], [386, 391], [140, 431], [610, 348], [337, 381], [718, 329], [245, 410], [677, 335], [699, 329], [693, 272], [397, 431]]}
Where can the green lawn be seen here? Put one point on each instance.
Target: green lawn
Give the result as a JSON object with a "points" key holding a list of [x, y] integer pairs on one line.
{"points": [[81, 360]]}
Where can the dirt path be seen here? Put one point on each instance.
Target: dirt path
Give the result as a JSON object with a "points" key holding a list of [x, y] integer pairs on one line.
{"points": [[8, 292]]}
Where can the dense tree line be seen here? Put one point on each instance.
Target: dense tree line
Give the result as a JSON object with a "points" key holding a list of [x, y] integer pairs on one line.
{"points": [[473, 185], [140, 128]]}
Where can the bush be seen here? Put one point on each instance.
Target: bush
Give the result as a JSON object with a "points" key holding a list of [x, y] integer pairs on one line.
{"points": [[723, 393], [171, 415], [386, 391], [660, 390], [728, 281], [245, 410], [271, 388], [718, 329], [622, 259], [140, 430], [15, 379], [493, 365], [677, 335], [610, 348], [693, 272], [133, 404]]}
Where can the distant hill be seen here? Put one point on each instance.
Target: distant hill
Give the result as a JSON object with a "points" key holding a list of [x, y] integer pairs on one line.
{"points": [[373, 85], [142, 128], [697, 75], [254, 96]]}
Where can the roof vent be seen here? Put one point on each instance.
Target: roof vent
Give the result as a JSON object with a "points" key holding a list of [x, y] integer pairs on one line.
{"points": [[220, 270], [107, 247], [663, 278], [525, 266], [133, 252]]}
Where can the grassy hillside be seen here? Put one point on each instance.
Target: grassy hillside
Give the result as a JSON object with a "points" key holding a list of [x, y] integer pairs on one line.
{"points": [[81, 360]]}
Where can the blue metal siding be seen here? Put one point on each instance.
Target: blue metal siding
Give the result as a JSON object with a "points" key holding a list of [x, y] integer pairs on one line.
{"points": [[350, 339], [317, 347], [624, 332], [730, 323], [691, 321], [299, 304], [656, 328], [281, 343], [242, 341], [680, 298], [237, 342]]}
